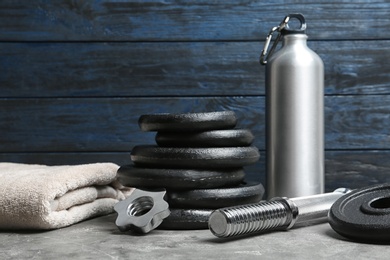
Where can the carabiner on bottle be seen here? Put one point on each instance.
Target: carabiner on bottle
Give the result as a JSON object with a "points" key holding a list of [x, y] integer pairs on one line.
{"points": [[264, 53]]}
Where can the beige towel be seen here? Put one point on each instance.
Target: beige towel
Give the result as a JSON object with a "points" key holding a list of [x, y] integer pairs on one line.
{"points": [[50, 197]]}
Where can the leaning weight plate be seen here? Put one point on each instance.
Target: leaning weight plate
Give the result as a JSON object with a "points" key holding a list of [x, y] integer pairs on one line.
{"points": [[210, 158], [187, 219], [215, 138], [189, 122], [363, 214], [250, 192], [178, 179]]}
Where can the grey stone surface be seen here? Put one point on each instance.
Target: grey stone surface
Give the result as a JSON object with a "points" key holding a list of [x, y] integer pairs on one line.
{"points": [[99, 238]]}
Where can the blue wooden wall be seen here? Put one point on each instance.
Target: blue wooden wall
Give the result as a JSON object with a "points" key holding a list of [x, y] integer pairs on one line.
{"points": [[76, 75]]}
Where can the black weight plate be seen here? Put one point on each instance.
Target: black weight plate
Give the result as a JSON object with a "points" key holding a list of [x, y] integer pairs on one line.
{"points": [[188, 122], [363, 214], [186, 219], [215, 138], [210, 158], [178, 179], [216, 198]]}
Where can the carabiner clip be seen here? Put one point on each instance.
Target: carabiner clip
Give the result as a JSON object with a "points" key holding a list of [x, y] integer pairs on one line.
{"points": [[264, 52], [263, 55]]}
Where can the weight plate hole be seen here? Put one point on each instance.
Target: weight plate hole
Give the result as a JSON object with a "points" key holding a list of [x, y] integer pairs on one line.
{"points": [[381, 203]]}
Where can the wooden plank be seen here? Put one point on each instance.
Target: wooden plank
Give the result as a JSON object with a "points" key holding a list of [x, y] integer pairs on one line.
{"points": [[176, 69], [350, 169], [128, 69], [155, 20], [356, 169], [102, 124], [357, 122], [110, 124]]}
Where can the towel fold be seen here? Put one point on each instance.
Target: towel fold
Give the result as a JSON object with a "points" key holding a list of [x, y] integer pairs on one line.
{"points": [[50, 197]]}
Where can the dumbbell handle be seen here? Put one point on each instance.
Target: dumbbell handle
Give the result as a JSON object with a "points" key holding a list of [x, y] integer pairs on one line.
{"points": [[278, 213]]}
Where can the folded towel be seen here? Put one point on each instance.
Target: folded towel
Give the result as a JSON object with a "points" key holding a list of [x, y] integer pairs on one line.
{"points": [[50, 197]]}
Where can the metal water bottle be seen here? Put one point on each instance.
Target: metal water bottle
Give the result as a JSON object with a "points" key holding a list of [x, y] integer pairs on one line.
{"points": [[295, 113]]}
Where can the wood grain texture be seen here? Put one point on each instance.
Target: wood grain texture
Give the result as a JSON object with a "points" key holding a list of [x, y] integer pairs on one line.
{"points": [[103, 124], [76, 75], [177, 69], [110, 124], [357, 122], [129, 69], [356, 169], [165, 20]]}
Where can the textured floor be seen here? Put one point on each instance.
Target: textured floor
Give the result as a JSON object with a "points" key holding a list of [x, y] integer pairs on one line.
{"points": [[100, 239]]}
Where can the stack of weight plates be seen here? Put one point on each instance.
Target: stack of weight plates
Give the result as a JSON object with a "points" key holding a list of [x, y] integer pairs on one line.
{"points": [[199, 160]]}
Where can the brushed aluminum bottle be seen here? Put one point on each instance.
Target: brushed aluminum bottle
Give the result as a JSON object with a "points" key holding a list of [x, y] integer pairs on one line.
{"points": [[295, 118]]}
